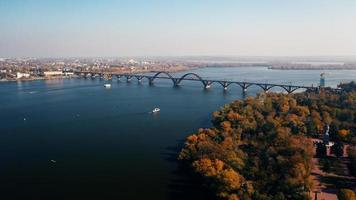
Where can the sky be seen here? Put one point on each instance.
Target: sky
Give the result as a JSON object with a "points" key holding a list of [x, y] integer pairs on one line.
{"points": [[114, 28]]}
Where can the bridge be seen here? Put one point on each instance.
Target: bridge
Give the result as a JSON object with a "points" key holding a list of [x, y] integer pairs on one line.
{"points": [[207, 83]]}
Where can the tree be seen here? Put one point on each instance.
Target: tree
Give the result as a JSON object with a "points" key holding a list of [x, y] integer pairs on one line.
{"points": [[338, 149], [352, 155], [320, 149], [343, 133], [257, 147], [346, 194]]}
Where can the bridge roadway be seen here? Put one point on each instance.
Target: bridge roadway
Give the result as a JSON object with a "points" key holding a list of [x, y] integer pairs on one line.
{"points": [[289, 88]]}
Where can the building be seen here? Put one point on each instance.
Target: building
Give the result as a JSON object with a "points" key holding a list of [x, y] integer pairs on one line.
{"points": [[322, 80], [68, 73], [326, 135], [52, 73], [22, 75]]}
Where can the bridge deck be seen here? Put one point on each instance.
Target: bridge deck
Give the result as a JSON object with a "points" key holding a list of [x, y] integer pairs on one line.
{"points": [[206, 82]]}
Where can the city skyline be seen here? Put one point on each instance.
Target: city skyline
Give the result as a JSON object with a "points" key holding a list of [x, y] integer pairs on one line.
{"points": [[177, 28]]}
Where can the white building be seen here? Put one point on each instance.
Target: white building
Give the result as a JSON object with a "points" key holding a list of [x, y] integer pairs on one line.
{"points": [[53, 73], [132, 62], [67, 73], [22, 75]]}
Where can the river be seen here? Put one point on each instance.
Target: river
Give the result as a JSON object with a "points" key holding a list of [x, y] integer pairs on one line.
{"points": [[104, 143]]}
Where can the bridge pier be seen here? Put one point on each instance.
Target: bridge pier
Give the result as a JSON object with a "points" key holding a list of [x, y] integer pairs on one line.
{"points": [[244, 87], [93, 76], [291, 89], [128, 78], [224, 84], [139, 78], [207, 84], [176, 82], [265, 87], [150, 81]]}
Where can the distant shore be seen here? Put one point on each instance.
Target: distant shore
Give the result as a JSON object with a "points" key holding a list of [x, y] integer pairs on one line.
{"points": [[286, 66], [171, 70], [37, 78], [311, 68]]}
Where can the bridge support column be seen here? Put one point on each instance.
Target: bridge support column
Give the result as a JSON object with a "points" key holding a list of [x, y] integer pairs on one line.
{"points": [[150, 81], [289, 90], [264, 87], [128, 78], [175, 82], [207, 84], [244, 87], [225, 85]]}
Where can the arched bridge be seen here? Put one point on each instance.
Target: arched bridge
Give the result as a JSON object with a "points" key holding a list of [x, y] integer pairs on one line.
{"points": [[289, 88]]}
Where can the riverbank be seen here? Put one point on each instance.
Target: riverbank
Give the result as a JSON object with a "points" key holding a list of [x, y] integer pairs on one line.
{"points": [[37, 78]]}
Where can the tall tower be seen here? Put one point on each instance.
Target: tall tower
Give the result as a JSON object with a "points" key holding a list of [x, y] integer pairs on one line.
{"points": [[322, 80], [326, 135]]}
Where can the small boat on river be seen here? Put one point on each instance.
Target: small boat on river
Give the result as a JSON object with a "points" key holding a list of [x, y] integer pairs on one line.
{"points": [[156, 110], [107, 85]]}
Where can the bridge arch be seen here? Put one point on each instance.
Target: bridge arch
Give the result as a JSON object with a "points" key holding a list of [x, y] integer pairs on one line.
{"points": [[224, 84], [165, 73], [265, 87], [191, 74], [244, 85], [290, 89]]}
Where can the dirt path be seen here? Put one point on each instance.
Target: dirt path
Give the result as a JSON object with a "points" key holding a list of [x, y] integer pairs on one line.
{"points": [[324, 192], [328, 184]]}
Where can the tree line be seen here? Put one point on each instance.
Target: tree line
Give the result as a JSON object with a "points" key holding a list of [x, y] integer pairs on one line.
{"points": [[260, 148]]}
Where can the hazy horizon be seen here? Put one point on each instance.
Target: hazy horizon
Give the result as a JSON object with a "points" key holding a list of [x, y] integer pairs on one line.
{"points": [[122, 28]]}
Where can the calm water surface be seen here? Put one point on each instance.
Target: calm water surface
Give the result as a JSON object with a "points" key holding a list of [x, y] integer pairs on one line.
{"points": [[105, 142]]}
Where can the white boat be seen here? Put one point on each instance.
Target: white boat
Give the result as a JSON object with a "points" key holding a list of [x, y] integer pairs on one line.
{"points": [[156, 110], [53, 161], [107, 85]]}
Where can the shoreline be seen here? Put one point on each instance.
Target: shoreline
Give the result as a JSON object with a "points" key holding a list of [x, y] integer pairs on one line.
{"points": [[76, 76], [36, 79]]}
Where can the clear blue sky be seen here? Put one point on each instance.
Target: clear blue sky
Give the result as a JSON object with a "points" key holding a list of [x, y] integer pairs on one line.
{"points": [[46, 28]]}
